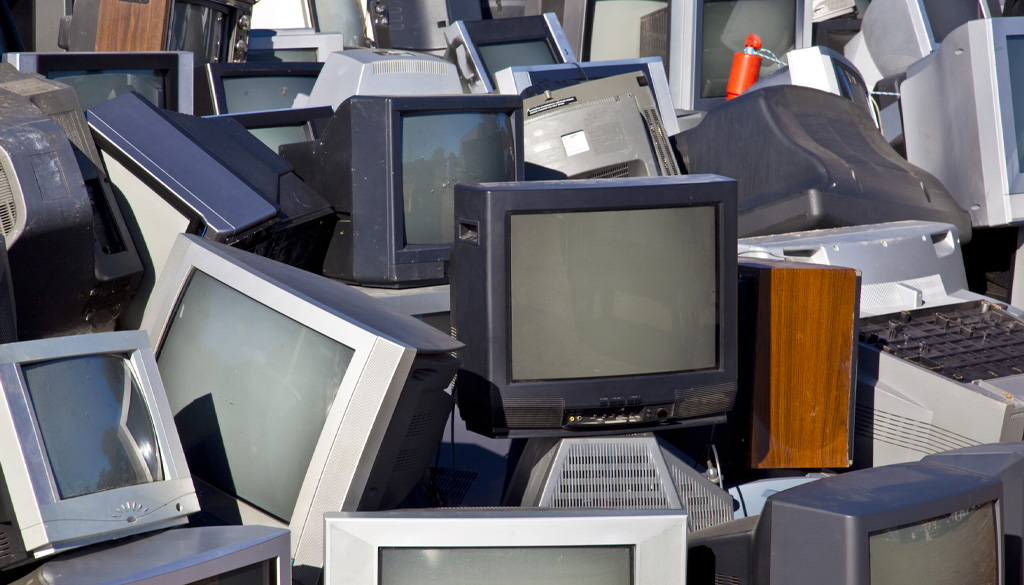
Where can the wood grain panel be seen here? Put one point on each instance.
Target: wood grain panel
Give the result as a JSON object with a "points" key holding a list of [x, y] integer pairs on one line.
{"points": [[132, 26]]}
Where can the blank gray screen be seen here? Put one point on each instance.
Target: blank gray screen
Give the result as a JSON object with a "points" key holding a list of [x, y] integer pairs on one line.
{"points": [[277, 135], [250, 390], [598, 565], [725, 27], [95, 87], [613, 293], [442, 149], [265, 92], [1015, 56]]}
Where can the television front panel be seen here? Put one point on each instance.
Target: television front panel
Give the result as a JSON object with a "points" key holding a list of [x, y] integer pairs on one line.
{"points": [[599, 306], [99, 455], [513, 546], [293, 394], [233, 88]]}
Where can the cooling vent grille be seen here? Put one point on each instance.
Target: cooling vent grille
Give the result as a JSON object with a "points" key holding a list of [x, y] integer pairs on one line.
{"points": [[8, 209], [706, 504], [410, 66], [704, 401], [609, 172], [907, 432], [609, 475], [662, 148], [533, 412]]}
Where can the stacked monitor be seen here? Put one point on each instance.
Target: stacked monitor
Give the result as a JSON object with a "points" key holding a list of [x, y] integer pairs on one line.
{"points": [[414, 25], [389, 166], [482, 48], [468, 547], [232, 88], [164, 79], [90, 450], [698, 38], [595, 306], [909, 523], [293, 394], [293, 45], [277, 127]]}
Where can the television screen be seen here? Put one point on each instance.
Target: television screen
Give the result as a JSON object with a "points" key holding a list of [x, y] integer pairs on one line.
{"points": [[233, 88], [588, 305], [501, 55], [275, 128], [252, 94]]}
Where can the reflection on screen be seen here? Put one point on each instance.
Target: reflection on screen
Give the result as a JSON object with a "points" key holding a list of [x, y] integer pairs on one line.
{"points": [[613, 293], [94, 422], [961, 547], [1015, 57], [278, 135], [725, 28], [250, 390], [266, 92], [281, 56], [616, 28], [197, 28], [97, 86], [440, 150], [556, 565], [504, 55], [259, 574]]}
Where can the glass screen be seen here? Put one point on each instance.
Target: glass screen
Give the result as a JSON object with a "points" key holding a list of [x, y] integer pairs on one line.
{"points": [[1015, 57], [504, 55], [263, 573], [266, 92], [97, 86], [281, 56], [725, 27], [616, 28], [442, 149], [613, 293], [592, 565], [278, 135], [94, 423], [955, 549], [197, 28], [250, 390]]}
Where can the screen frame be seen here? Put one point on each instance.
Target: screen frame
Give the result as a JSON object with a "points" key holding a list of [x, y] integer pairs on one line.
{"points": [[313, 120], [40, 512], [176, 67], [210, 97], [576, 18], [353, 539]]}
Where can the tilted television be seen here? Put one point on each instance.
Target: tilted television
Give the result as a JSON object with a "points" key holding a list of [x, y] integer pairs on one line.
{"points": [[601, 306], [90, 450], [294, 395]]}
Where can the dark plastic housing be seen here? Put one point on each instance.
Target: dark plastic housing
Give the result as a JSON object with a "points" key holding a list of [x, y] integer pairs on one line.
{"points": [[357, 166], [495, 404], [210, 97], [418, 25]]}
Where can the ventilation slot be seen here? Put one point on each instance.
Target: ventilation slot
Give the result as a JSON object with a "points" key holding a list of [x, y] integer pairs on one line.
{"points": [[907, 432], [533, 412], [609, 172], [703, 401], [706, 504], [8, 210], [654, 35], [609, 475], [662, 148], [410, 66], [70, 126]]}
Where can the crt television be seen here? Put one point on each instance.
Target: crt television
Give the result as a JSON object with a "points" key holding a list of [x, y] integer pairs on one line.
{"points": [[90, 450], [277, 127], [389, 166], [596, 306], [907, 523], [231, 88], [293, 394], [512, 546], [163, 78], [698, 38]]}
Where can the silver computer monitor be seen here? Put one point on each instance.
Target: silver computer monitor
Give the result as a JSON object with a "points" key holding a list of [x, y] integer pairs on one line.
{"points": [[290, 45]]}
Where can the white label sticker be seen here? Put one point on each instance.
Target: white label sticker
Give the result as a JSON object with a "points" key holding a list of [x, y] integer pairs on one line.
{"points": [[575, 143]]}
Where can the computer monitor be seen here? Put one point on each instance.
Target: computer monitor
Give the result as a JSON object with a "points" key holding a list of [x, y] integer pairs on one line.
{"points": [[576, 18], [389, 166], [907, 523], [518, 80], [99, 456], [382, 72], [896, 33], [839, 170], [514, 546], [596, 129], [823, 69], [165, 79], [963, 112], [595, 306], [232, 88], [481, 48], [697, 40], [293, 394], [292, 45], [277, 127], [206, 555], [418, 25]]}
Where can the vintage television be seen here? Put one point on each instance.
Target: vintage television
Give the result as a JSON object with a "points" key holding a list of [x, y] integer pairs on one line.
{"points": [[697, 39], [519, 79], [593, 307], [597, 129], [515, 546], [389, 166], [116, 265], [165, 79], [90, 450], [277, 127], [216, 31], [963, 115], [232, 88], [823, 69], [207, 555], [353, 400], [909, 523], [292, 45], [840, 171], [382, 72], [417, 25], [896, 33], [481, 48]]}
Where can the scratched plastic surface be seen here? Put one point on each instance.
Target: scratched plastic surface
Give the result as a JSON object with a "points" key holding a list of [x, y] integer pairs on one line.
{"points": [[969, 341]]}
